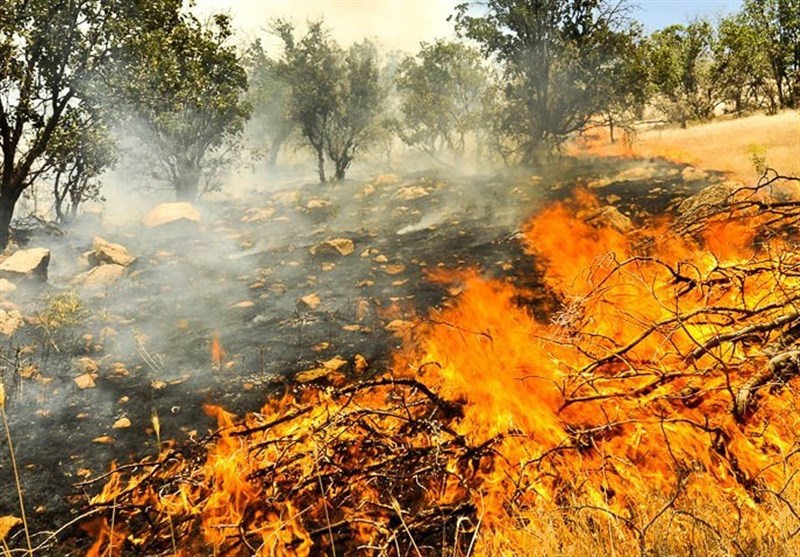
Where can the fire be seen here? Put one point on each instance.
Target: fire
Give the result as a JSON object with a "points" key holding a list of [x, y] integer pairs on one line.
{"points": [[630, 422], [217, 351]]}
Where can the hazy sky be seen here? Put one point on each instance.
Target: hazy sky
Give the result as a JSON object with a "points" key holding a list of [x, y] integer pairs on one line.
{"points": [[403, 24]]}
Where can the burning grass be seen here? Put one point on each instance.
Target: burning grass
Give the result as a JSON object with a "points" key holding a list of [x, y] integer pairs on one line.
{"points": [[657, 413]]}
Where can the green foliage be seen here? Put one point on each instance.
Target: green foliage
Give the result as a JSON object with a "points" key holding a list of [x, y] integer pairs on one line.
{"points": [[442, 90], [335, 95], [557, 58], [183, 91], [682, 71], [269, 96], [52, 52], [776, 26]]}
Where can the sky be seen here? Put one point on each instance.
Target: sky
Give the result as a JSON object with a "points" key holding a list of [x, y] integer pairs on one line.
{"points": [[402, 24]]}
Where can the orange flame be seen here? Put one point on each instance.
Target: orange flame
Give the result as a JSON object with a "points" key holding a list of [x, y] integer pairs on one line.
{"points": [[218, 353]]}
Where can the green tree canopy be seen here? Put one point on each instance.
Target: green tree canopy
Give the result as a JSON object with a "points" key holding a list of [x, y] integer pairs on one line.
{"points": [[556, 56], [442, 89]]}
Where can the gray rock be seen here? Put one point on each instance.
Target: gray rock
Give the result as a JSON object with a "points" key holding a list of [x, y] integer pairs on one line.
{"points": [[26, 263]]}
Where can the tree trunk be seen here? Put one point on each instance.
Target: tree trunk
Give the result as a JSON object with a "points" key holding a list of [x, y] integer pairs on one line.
{"points": [[188, 185], [7, 203], [274, 147], [321, 165]]}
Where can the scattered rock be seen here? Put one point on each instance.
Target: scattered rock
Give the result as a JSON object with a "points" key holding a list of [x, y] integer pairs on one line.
{"points": [[85, 381], [394, 269], [410, 193], [166, 213], [692, 174], [316, 204], [399, 327], [610, 217], [258, 214], [360, 364], [85, 366], [122, 423], [26, 263], [708, 200], [387, 180], [636, 174], [598, 183], [106, 252], [340, 246], [103, 440], [243, 305], [312, 301], [335, 364], [10, 321], [100, 277], [381, 259]]}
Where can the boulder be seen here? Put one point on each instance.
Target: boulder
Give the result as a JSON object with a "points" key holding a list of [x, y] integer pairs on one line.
{"points": [[610, 217], [340, 246], [708, 200], [10, 321], [100, 277], [26, 263], [106, 252], [167, 213]]}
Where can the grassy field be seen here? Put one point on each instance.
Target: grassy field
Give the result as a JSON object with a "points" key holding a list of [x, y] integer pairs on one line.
{"points": [[730, 146]]}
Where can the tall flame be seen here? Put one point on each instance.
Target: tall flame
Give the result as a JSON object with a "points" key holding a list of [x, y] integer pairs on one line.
{"points": [[614, 428]]}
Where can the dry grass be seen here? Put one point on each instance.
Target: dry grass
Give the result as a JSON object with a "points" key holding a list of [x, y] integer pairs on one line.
{"points": [[729, 146]]}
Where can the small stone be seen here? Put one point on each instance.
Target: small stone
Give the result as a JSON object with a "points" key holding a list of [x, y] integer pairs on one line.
{"points": [[360, 364], [244, 305], [103, 440], [312, 301], [85, 366], [10, 321], [100, 277], [395, 269], [167, 213], [335, 364], [381, 259], [122, 423], [85, 381], [107, 252], [340, 246], [399, 327]]}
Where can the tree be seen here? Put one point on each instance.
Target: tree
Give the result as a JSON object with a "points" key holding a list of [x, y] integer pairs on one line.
{"points": [[269, 96], [335, 97], [777, 24], [681, 69], [741, 65], [50, 53], [80, 151], [441, 89], [357, 104], [555, 55], [183, 89]]}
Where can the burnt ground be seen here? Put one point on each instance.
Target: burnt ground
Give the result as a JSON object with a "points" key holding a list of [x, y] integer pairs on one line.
{"points": [[240, 274]]}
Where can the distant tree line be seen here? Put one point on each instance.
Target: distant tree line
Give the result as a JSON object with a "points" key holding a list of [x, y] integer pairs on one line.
{"points": [[524, 76]]}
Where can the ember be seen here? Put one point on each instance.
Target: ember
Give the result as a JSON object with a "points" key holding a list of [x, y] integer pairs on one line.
{"points": [[636, 421]]}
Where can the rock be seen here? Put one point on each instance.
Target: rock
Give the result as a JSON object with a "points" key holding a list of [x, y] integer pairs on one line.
{"points": [[85, 381], [399, 327], [360, 364], [409, 193], [335, 364], [610, 217], [381, 259], [635, 174], [166, 213], [312, 301], [692, 174], [6, 286], [708, 200], [106, 252], [387, 180], [122, 423], [318, 204], [394, 269], [10, 321], [102, 276], [85, 366], [258, 214], [341, 246], [26, 263]]}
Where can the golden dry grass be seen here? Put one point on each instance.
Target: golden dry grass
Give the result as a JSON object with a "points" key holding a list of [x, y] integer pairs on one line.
{"points": [[723, 145]]}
